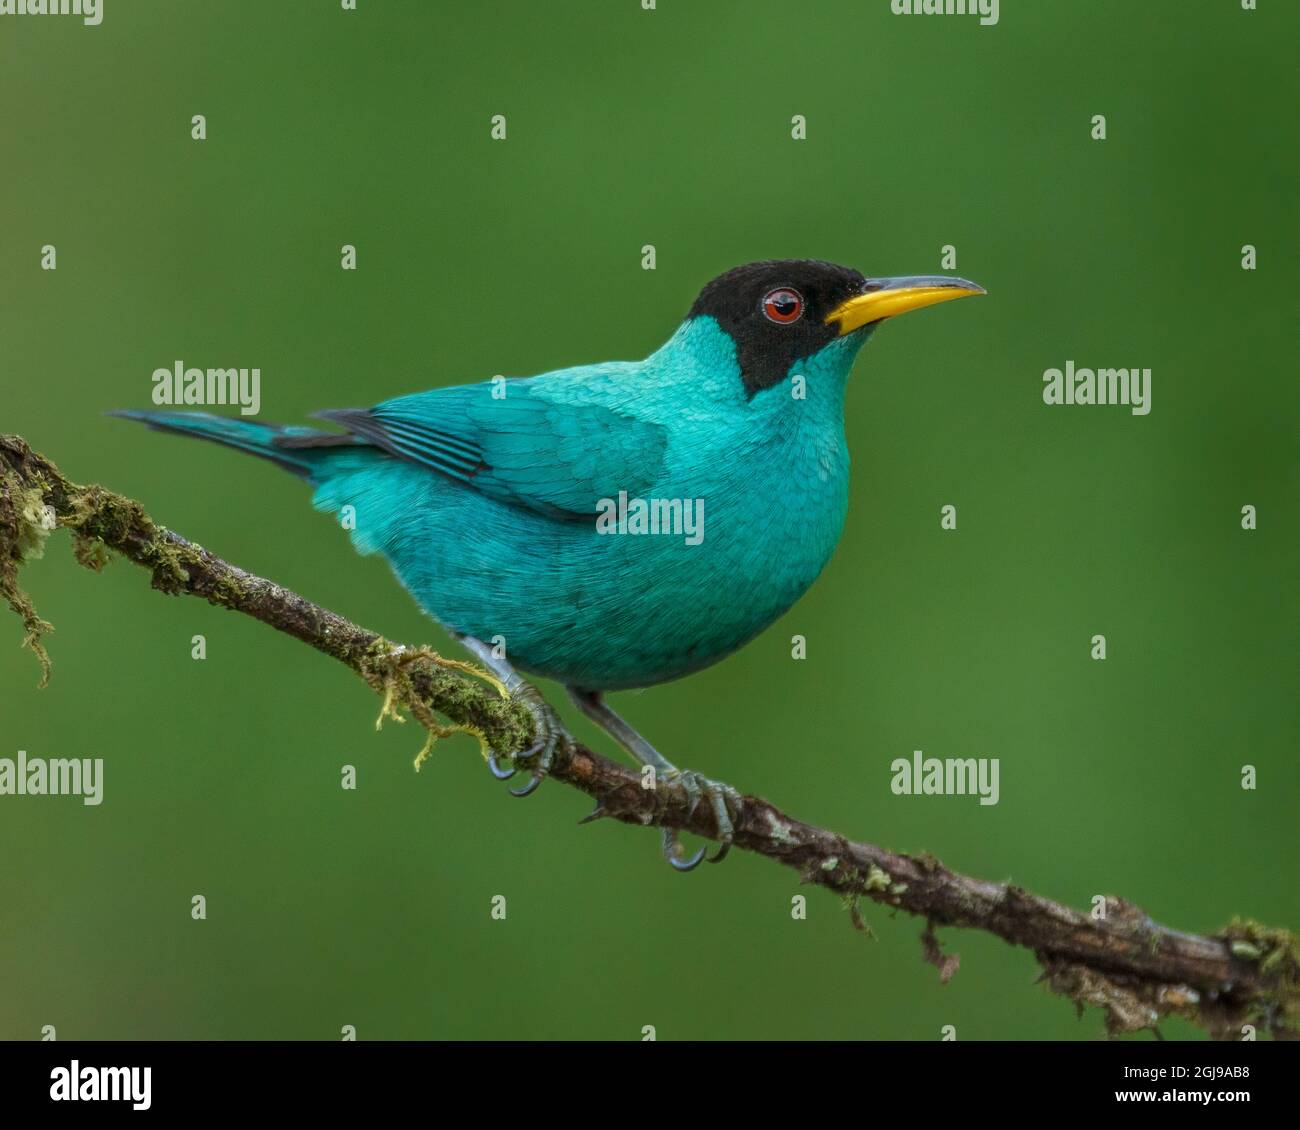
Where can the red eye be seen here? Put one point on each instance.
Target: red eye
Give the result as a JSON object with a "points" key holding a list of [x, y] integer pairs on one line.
{"points": [[783, 306]]}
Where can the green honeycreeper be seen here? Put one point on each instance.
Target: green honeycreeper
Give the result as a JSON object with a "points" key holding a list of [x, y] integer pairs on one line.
{"points": [[619, 524]]}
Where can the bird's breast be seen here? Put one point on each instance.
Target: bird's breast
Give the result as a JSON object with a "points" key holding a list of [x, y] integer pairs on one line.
{"points": [[667, 580], [770, 511]]}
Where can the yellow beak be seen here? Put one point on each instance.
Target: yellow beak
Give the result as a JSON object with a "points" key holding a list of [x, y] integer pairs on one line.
{"points": [[883, 298]]}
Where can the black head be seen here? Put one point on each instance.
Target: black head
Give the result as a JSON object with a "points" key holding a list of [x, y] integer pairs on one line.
{"points": [[776, 312]]}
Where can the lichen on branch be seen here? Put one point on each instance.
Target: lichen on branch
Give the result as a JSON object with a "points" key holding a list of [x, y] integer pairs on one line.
{"points": [[1135, 970]]}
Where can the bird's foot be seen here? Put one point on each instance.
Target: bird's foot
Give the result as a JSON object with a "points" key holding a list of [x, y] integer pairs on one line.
{"points": [[728, 807], [727, 804], [540, 756]]}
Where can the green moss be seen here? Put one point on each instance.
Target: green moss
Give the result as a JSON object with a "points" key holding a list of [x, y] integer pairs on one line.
{"points": [[89, 553], [420, 680], [850, 903], [24, 528], [877, 880], [33, 524], [1276, 951]]}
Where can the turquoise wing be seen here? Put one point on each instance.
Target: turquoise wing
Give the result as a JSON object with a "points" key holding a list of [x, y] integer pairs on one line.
{"points": [[514, 444]]}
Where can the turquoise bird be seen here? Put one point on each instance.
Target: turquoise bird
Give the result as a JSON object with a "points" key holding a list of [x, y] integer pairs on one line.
{"points": [[621, 524]]}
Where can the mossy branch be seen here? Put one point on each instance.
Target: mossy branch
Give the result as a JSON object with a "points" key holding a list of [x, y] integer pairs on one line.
{"points": [[1134, 969]]}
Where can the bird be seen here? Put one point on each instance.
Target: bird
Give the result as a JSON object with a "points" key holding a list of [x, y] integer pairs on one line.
{"points": [[613, 525]]}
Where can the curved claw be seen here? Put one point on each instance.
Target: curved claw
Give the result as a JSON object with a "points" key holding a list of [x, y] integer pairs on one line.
{"points": [[688, 864], [721, 854], [539, 746], [671, 853], [720, 798], [495, 769], [530, 787], [541, 752]]}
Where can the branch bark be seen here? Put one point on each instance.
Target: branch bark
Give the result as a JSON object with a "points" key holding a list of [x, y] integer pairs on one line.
{"points": [[1134, 969]]}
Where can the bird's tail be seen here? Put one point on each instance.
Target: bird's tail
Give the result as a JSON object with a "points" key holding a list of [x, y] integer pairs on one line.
{"points": [[295, 449]]}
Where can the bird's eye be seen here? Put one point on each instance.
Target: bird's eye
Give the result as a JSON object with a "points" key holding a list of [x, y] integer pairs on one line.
{"points": [[782, 306]]}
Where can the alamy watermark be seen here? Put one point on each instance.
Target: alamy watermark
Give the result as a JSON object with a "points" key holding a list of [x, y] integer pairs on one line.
{"points": [[57, 776], [90, 11], [951, 776], [1098, 386], [678, 517], [179, 385], [987, 10], [76, 1083]]}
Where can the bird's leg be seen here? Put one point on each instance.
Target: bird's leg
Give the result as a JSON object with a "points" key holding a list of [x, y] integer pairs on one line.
{"points": [[721, 797], [547, 724]]}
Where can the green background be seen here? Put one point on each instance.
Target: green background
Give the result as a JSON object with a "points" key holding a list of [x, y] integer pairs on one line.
{"points": [[477, 257]]}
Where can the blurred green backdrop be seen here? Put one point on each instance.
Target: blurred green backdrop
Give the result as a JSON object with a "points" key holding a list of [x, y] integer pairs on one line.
{"points": [[669, 127]]}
